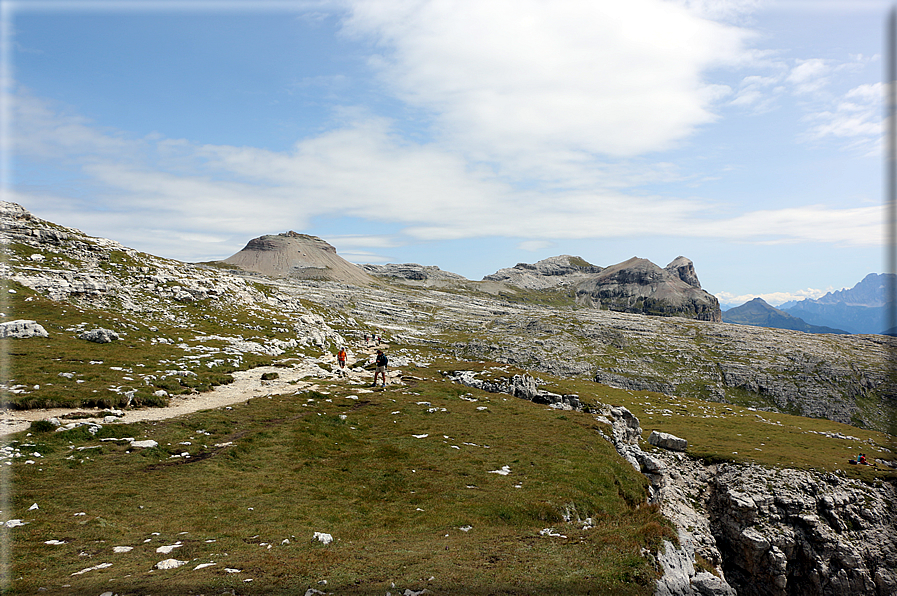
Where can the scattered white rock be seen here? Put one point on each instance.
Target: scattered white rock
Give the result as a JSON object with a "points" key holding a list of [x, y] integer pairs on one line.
{"points": [[322, 537], [33, 507], [168, 548], [94, 568], [145, 444], [122, 549], [504, 471], [14, 523], [55, 542], [169, 564], [204, 565], [424, 436]]}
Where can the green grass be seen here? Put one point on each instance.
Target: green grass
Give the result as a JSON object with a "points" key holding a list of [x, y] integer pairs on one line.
{"points": [[726, 432], [393, 503], [100, 375]]}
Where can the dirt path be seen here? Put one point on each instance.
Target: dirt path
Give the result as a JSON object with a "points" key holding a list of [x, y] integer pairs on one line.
{"points": [[247, 384]]}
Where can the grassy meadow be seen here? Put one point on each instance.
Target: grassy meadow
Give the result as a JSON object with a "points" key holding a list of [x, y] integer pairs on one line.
{"points": [[404, 479]]}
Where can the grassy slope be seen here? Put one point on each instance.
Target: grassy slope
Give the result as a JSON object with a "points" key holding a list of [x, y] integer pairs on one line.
{"points": [[393, 503], [101, 373]]}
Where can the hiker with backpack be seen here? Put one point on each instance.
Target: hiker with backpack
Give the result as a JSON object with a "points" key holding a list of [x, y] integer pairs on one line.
{"points": [[381, 364]]}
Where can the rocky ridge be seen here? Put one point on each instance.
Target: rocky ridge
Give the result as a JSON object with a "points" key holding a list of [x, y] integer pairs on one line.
{"points": [[414, 274], [760, 531]]}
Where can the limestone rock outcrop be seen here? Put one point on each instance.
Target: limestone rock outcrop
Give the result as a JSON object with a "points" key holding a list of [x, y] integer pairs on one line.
{"points": [[640, 286], [412, 273], [547, 273], [22, 329], [786, 531], [100, 336]]}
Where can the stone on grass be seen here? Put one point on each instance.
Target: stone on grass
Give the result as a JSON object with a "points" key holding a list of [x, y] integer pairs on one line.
{"points": [[22, 328], [322, 537], [146, 444], [168, 548], [169, 564], [99, 336], [667, 441]]}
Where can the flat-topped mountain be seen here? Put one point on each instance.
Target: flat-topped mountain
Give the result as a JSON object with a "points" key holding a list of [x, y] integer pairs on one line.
{"points": [[297, 256]]}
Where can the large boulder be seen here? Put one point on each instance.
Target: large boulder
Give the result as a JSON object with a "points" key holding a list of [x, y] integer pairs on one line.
{"points": [[22, 328], [667, 441], [100, 336]]}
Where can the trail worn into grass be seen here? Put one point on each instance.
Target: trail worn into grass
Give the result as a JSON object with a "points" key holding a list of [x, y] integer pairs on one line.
{"points": [[246, 385]]}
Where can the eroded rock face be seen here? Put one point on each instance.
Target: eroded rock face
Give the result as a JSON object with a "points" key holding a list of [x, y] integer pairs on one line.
{"points": [[784, 532], [684, 269], [640, 286]]}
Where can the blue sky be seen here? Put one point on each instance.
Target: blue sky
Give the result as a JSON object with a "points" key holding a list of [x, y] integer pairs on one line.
{"points": [[743, 134]]}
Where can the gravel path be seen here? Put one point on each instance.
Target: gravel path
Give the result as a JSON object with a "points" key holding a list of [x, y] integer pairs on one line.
{"points": [[247, 384]]}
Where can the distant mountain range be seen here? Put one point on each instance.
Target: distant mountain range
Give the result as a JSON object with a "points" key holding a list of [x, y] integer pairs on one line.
{"points": [[861, 309], [760, 314]]}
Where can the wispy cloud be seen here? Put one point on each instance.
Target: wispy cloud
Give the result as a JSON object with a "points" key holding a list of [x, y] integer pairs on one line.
{"points": [[365, 171]]}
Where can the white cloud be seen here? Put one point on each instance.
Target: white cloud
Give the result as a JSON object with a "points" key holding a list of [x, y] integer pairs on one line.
{"points": [[809, 76], [855, 117], [527, 82]]}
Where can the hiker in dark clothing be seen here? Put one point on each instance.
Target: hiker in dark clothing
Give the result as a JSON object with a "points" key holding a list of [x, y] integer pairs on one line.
{"points": [[381, 364]]}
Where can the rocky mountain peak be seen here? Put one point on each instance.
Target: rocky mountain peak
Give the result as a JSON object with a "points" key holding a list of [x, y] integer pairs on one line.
{"points": [[684, 269], [637, 285]]}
